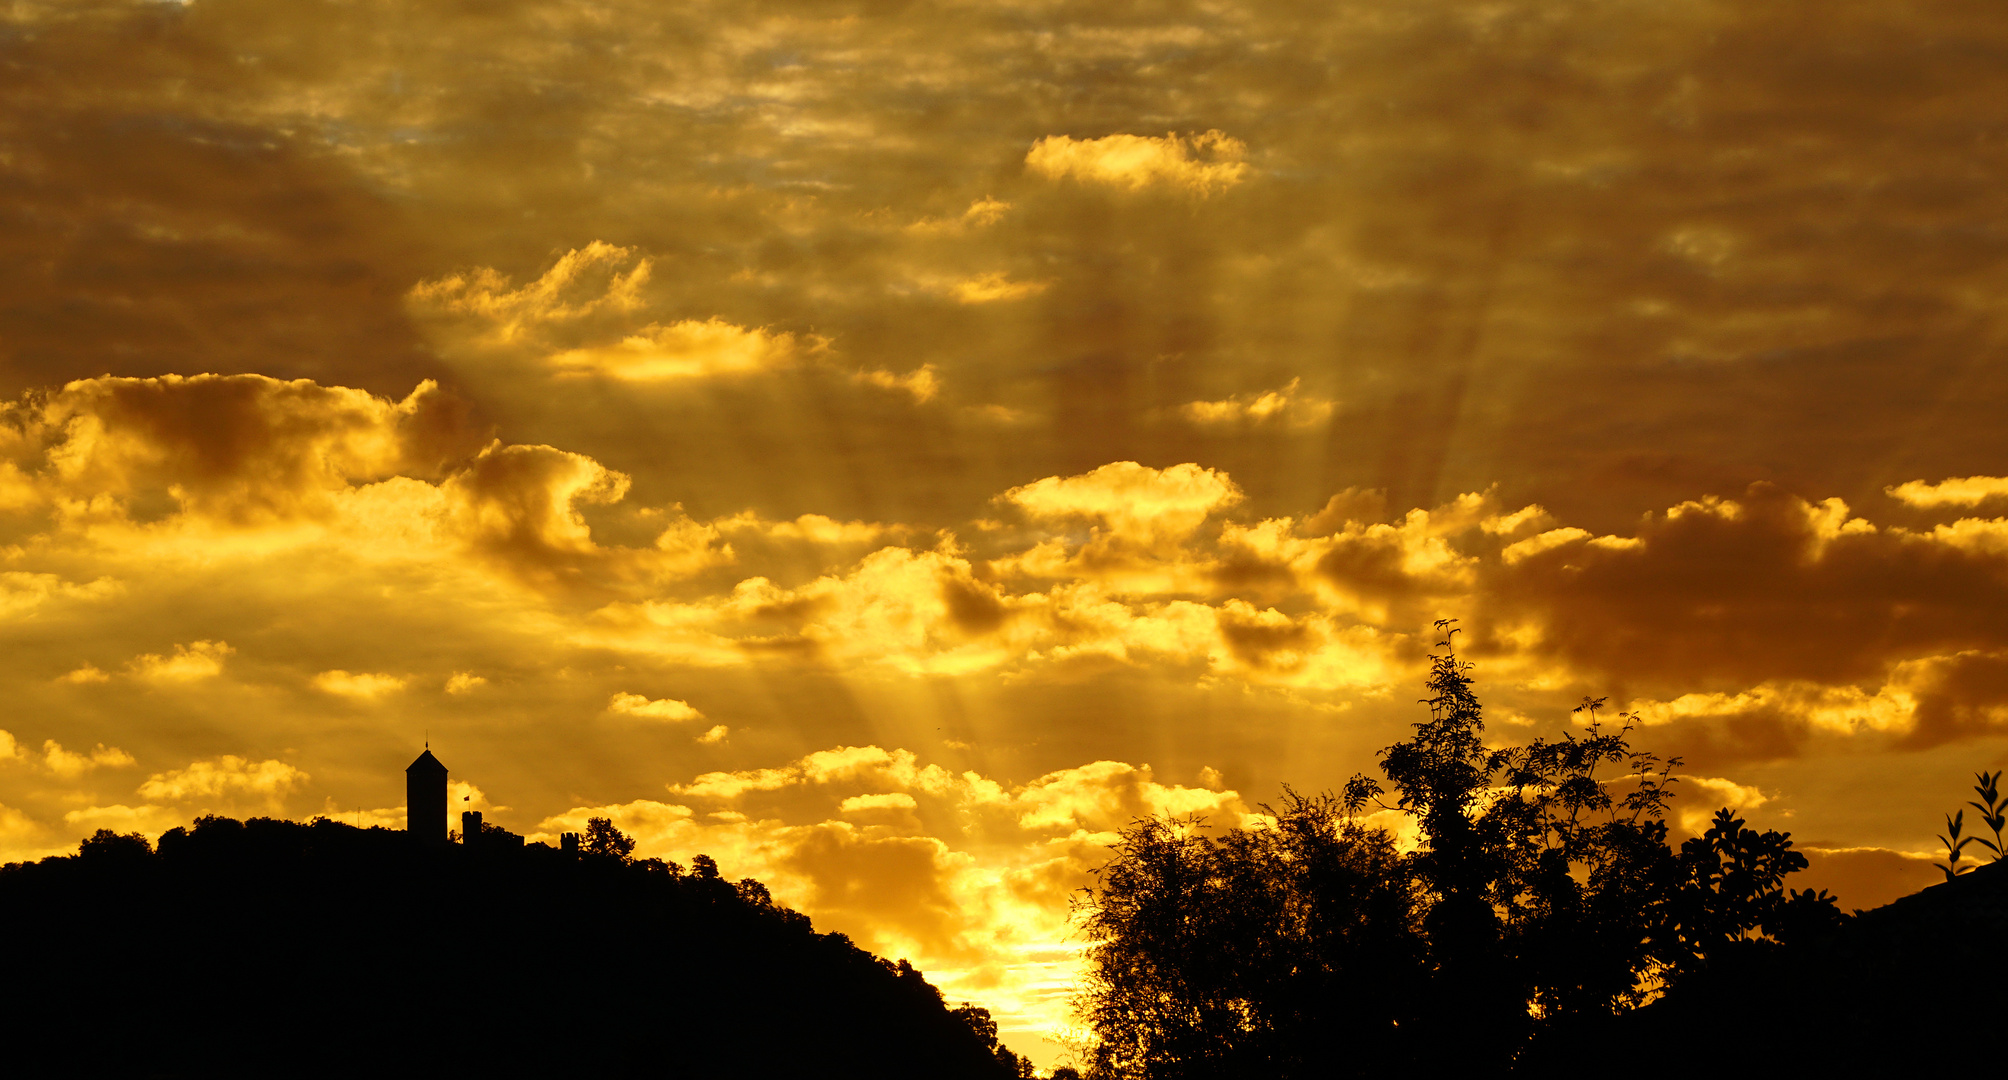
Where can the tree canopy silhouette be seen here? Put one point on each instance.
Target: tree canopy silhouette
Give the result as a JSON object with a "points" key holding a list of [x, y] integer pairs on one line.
{"points": [[1541, 894], [602, 838]]}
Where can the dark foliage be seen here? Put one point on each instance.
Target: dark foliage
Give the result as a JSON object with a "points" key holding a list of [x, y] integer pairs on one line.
{"points": [[1912, 987], [603, 839], [1993, 807], [1239, 956], [274, 948], [1543, 898]]}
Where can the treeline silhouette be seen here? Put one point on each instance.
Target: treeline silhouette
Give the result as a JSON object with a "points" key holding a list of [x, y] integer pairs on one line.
{"points": [[1540, 902], [1911, 988], [279, 948]]}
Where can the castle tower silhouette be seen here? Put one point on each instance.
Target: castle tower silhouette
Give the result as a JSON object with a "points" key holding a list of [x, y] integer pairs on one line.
{"points": [[425, 800]]}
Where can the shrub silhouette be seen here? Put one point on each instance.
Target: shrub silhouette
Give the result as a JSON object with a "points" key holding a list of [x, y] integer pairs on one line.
{"points": [[1854, 997], [1542, 898], [1993, 807], [266, 947]]}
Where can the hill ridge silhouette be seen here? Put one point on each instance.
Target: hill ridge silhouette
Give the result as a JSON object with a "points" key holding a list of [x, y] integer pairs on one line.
{"points": [[1914, 985], [271, 947]]}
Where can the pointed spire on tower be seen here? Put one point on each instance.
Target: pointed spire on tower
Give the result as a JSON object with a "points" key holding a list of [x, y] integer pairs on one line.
{"points": [[425, 798]]}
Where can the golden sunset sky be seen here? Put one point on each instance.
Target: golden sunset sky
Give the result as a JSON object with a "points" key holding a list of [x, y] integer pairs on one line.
{"points": [[889, 446]]}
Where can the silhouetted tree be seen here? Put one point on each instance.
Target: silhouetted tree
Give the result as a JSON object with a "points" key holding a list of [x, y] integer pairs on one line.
{"points": [[1541, 895], [106, 846], [602, 838], [1777, 983], [984, 1027], [1731, 895], [1240, 955]]}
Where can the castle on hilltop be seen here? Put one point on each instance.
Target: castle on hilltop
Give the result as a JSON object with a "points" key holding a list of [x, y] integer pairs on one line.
{"points": [[425, 813]]}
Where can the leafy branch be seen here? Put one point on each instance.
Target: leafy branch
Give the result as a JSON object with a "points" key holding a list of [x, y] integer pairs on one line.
{"points": [[1993, 809]]}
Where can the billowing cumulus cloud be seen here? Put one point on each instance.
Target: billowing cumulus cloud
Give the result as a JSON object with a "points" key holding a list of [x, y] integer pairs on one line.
{"points": [[579, 318], [1958, 491], [21, 593], [921, 383], [464, 682], [1135, 503], [994, 286], [657, 709], [1281, 405], [243, 449], [587, 281], [292, 466], [892, 800], [187, 663], [687, 349], [1727, 590], [365, 685], [1202, 163], [814, 528], [72, 764], [228, 778], [521, 506]]}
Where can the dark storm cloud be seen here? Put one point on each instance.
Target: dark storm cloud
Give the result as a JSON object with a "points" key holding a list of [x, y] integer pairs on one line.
{"points": [[148, 227], [1767, 586], [1599, 253]]}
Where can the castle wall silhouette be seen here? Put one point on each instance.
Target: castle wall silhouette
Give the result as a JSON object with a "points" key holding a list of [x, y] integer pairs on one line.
{"points": [[425, 813]]}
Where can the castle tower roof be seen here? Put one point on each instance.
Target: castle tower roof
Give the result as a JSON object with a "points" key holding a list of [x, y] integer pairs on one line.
{"points": [[425, 765]]}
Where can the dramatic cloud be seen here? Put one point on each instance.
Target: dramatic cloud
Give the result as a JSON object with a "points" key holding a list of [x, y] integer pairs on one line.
{"points": [[1202, 163], [663, 709], [685, 350], [463, 682], [21, 593], [994, 286], [520, 504], [597, 279], [1268, 406], [922, 384], [200, 660], [1135, 503], [363, 685], [591, 298], [1765, 586], [845, 834], [1958, 491], [244, 449], [1032, 388], [69, 765], [229, 778]]}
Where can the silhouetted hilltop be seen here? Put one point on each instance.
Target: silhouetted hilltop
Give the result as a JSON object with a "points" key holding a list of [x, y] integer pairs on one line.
{"points": [[1916, 985], [276, 948]]}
